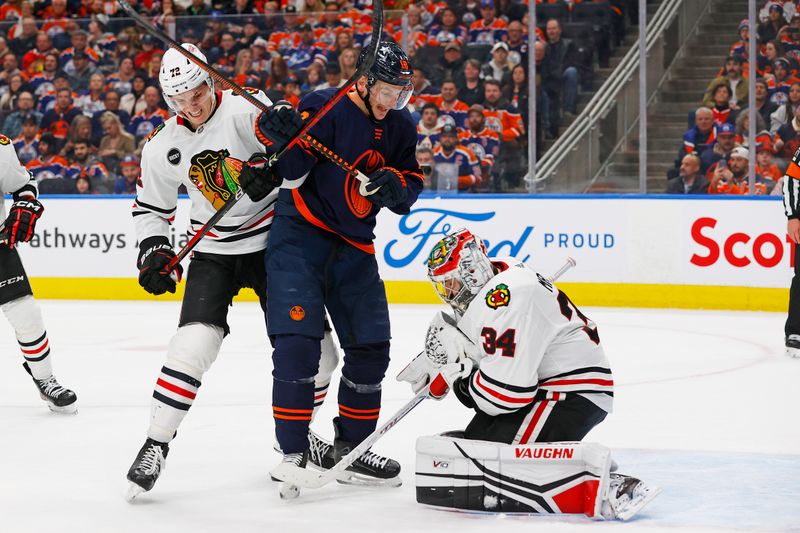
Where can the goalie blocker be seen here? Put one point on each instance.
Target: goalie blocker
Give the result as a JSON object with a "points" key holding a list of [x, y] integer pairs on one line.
{"points": [[546, 478]]}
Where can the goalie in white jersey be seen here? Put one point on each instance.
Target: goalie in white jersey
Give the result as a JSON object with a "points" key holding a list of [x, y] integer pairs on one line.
{"points": [[531, 365], [203, 148], [16, 296]]}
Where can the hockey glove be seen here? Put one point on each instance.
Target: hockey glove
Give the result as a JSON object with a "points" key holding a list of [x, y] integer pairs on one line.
{"points": [[389, 187], [447, 377], [257, 180], [279, 126], [21, 221], [155, 253]]}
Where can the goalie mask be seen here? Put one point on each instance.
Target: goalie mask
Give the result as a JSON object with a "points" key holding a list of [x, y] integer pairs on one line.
{"points": [[459, 267], [180, 80]]}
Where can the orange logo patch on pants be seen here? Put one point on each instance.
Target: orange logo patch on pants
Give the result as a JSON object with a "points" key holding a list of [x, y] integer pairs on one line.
{"points": [[297, 313]]}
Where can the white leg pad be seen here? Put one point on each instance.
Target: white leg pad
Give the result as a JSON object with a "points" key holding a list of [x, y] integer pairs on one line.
{"points": [[191, 352], [328, 361], [25, 317], [554, 478]]}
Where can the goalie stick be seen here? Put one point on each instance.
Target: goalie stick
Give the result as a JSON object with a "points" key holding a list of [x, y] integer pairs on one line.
{"points": [[377, 29], [312, 479]]}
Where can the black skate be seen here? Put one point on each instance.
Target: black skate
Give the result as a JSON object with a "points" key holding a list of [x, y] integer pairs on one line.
{"points": [[288, 491], [59, 399], [320, 452], [626, 496], [369, 469], [793, 346], [146, 468]]}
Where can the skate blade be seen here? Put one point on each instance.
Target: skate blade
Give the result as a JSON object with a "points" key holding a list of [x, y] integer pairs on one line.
{"points": [[70, 409], [636, 505], [351, 478], [134, 491]]}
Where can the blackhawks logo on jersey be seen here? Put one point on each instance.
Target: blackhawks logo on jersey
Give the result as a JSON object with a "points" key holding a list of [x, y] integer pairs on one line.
{"points": [[216, 175], [500, 296], [4, 140]]}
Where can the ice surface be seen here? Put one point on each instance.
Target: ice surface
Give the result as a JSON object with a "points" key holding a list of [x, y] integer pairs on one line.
{"points": [[706, 407]]}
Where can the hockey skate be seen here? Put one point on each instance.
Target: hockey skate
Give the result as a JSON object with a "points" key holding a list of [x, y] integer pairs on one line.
{"points": [[148, 465], [370, 469], [626, 496], [793, 346], [59, 398], [288, 491]]}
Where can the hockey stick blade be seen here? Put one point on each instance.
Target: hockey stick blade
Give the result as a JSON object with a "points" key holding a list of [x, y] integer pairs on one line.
{"points": [[311, 479], [369, 60]]}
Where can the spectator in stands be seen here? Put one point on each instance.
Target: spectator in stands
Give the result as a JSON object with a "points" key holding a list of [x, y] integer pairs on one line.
{"points": [[92, 100], [12, 126], [500, 115], [80, 130], [733, 177], [498, 68], [27, 143], [313, 78], [453, 110], [243, 74], [516, 91], [122, 79], [785, 112], [456, 166], [701, 136], [765, 166], [733, 79], [743, 128], [134, 102], [563, 57], [488, 29], [787, 139], [429, 126], [547, 87], [470, 85], [116, 142], [421, 84], [26, 39], [49, 165], [347, 62], [33, 58], [148, 43], [781, 81], [152, 116], [427, 165], [721, 149], [111, 103], [720, 104], [80, 43], [10, 68], [764, 107], [449, 66], [517, 43], [448, 30], [198, 8], [333, 76], [83, 70], [768, 30], [58, 120], [772, 51], [83, 185], [90, 166], [126, 184], [305, 52], [690, 178], [482, 141], [10, 93]]}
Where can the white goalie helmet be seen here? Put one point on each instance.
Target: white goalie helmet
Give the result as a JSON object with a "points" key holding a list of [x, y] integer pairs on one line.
{"points": [[178, 74]]}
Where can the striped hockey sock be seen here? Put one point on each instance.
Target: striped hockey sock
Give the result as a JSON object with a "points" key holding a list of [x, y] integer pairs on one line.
{"points": [[173, 395], [36, 353], [320, 392]]}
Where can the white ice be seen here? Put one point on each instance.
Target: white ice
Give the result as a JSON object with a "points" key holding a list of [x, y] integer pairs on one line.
{"points": [[706, 407]]}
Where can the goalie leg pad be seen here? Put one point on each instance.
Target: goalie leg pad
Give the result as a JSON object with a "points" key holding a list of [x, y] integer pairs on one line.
{"points": [[25, 317], [190, 353], [552, 478]]}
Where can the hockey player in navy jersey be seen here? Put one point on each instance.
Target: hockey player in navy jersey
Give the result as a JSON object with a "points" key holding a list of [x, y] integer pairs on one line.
{"points": [[321, 254], [521, 354]]}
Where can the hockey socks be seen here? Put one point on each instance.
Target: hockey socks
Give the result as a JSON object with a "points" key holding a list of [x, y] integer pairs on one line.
{"points": [[25, 317], [359, 408], [292, 407], [173, 395]]}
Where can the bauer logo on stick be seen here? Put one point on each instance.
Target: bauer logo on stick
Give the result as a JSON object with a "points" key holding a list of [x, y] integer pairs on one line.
{"points": [[500, 296]]}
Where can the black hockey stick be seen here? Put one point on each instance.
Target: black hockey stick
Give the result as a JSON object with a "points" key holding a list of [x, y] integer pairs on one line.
{"points": [[377, 29]]}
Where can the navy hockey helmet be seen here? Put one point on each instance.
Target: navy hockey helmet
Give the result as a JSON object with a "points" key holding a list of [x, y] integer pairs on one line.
{"points": [[392, 67]]}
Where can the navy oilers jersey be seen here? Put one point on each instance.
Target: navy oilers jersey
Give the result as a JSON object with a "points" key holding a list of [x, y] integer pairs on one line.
{"points": [[329, 198]]}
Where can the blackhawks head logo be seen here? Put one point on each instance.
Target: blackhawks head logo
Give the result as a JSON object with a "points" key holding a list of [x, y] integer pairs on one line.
{"points": [[215, 175], [500, 296]]}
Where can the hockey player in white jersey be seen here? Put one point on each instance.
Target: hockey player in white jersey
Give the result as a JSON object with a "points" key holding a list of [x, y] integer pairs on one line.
{"points": [[16, 296], [531, 365], [203, 148]]}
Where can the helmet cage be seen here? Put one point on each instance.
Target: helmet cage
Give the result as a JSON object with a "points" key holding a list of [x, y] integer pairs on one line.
{"points": [[459, 268]]}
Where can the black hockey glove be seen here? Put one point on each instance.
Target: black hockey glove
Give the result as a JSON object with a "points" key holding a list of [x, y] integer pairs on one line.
{"points": [[256, 179], [155, 253], [21, 221], [389, 186], [276, 128]]}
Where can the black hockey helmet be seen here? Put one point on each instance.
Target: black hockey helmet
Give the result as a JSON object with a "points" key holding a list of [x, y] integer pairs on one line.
{"points": [[393, 67]]}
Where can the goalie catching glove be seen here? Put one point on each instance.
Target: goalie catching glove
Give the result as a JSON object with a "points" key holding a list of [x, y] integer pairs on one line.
{"points": [[21, 221], [448, 356], [257, 179], [155, 253]]}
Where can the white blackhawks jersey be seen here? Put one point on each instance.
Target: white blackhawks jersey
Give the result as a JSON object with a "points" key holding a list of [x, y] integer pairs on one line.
{"points": [[175, 155], [533, 340], [14, 176]]}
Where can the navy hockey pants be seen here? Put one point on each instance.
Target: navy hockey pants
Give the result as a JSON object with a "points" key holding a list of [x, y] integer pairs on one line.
{"points": [[309, 270]]}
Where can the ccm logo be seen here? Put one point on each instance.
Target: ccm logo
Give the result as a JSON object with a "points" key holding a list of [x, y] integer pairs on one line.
{"points": [[543, 453], [11, 281], [766, 249]]}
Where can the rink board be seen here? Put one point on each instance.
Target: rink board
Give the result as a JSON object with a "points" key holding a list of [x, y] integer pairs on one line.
{"points": [[631, 251]]}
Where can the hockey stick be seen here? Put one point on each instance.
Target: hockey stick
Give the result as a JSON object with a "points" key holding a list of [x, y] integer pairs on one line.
{"points": [[305, 478], [377, 28]]}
